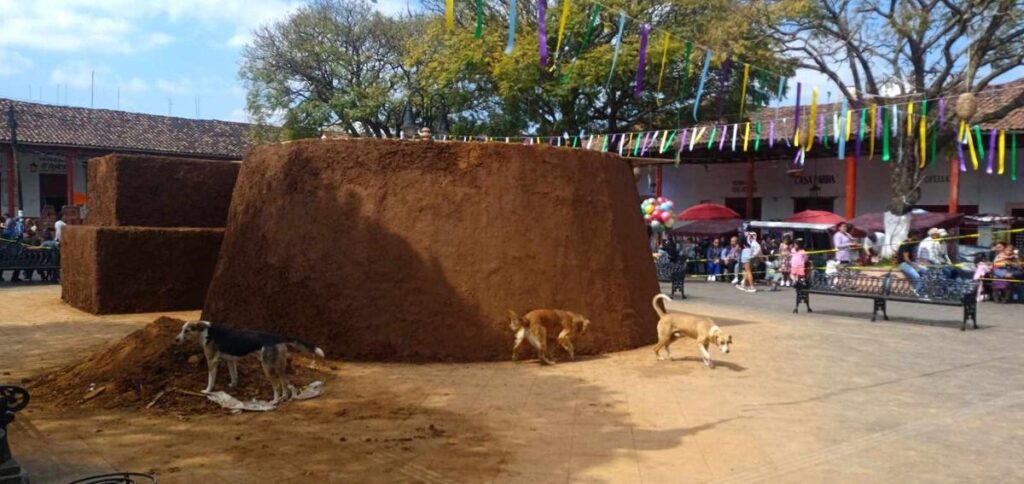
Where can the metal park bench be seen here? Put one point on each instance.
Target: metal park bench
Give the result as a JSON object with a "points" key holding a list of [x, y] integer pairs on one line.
{"points": [[674, 273], [19, 257], [935, 289]]}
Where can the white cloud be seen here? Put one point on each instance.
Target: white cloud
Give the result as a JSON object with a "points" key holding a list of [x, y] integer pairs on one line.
{"points": [[181, 86], [396, 7], [120, 26], [81, 74], [12, 63], [239, 115], [136, 84]]}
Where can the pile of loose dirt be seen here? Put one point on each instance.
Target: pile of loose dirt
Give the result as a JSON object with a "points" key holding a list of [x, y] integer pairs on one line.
{"points": [[148, 364], [413, 250]]}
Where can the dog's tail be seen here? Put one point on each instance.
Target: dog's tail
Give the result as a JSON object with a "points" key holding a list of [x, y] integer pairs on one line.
{"points": [[304, 346], [659, 309]]}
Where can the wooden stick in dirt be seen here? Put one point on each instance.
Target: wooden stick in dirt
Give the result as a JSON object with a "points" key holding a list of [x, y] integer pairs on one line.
{"points": [[186, 392], [158, 397]]}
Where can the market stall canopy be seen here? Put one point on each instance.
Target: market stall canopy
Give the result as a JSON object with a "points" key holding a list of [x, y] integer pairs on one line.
{"points": [[823, 227], [815, 217], [919, 221], [708, 211], [709, 228]]}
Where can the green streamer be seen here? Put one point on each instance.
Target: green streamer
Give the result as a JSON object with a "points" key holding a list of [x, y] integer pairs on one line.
{"points": [[604, 144], [479, 19], [934, 146], [671, 138], [978, 144], [636, 147], [757, 140], [863, 127], [885, 136], [1013, 157], [711, 139], [575, 139], [586, 41]]}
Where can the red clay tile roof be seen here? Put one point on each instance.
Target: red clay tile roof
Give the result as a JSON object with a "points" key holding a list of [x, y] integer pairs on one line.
{"points": [[43, 124]]}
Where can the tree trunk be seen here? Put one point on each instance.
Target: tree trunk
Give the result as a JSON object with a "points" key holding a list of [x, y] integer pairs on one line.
{"points": [[906, 191]]}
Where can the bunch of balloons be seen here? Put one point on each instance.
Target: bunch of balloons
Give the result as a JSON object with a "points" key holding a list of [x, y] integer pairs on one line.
{"points": [[658, 213]]}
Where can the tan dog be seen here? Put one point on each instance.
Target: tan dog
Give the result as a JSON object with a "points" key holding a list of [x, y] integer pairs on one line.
{"points": [[533, 327], [701, 328]]}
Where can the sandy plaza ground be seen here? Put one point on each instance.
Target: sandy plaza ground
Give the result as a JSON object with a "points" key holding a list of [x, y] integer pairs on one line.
{"points": [[827, 396]]}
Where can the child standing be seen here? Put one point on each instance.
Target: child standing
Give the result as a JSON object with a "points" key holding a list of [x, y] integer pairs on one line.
{"points": [[785, 249], [798, 261]]}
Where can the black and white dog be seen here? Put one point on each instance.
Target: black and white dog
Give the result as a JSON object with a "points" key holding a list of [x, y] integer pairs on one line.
{"points": [[231, 345]]}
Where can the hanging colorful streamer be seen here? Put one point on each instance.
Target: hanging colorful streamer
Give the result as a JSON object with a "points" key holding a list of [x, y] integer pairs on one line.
{"points": [[542, 31], [796, 114], [910, 119], [594, 17], [746, 136], [561, 27], [970, 146], [743, 91], [871, 133], [810, 122], [922, 135], [711, 138], [700, 84], [723, 81], [885, 135], [1013, 157], [479, 19], [618, 44], [991, 152], [979, 146], [664, 59], [960, 148], [1002, 152], [757, 140], [511, 27], [842, 139], [641, 62], [449, 14]]}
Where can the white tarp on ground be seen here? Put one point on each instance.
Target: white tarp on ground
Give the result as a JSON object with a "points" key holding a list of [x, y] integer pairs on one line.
{"points": [[225, 400]]}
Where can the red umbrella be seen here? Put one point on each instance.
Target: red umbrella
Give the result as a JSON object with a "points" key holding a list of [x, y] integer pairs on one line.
{"points": [[815, 217], [708, 211]]}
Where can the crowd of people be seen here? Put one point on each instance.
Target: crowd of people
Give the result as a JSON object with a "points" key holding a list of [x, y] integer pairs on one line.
{"points": [[31, 233], [781, 262]]}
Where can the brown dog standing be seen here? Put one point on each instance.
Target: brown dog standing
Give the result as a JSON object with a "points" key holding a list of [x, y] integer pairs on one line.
{"points": [[534, 326], [701, 328]]}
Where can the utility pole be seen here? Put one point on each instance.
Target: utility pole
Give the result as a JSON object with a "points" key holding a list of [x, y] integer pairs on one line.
{"points": [[118, 97], [92, 89], [12, 126]]}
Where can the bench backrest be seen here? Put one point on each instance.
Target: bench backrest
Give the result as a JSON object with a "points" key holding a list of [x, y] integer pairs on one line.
{"points": [[934, 286]]}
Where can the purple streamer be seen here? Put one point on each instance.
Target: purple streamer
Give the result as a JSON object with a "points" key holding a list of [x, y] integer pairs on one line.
{"points": [[643, 60], [725, 129], [542, 31], [771, 134], [682, 139], [821, 128], [991, 151], [723, 81], [942, 113], [646, 143], [960, 154], [796, 111], [878, 121]]}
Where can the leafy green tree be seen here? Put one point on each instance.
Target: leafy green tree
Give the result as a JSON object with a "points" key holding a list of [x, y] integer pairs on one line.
{"points": [[334, 63]]}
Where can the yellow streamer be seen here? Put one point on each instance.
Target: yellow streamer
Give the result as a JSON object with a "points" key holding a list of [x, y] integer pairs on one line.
{"points": [[449, 13], [1002, 152], [561, 26], [970, 145], [849, 121], [910, 119], [796, 137], [746, 136], [743, 92], [960, 135], [664, 59], [810, 121], [871, 142]]}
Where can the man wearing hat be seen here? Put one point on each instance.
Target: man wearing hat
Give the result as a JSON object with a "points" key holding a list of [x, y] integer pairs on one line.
{"points": [[932, 252]]}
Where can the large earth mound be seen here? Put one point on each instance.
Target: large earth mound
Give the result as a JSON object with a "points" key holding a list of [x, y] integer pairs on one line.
{"points": [[416, 250], [148, 363]]}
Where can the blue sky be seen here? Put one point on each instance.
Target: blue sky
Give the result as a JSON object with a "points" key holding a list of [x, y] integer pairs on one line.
{"points": [[160, 54]]}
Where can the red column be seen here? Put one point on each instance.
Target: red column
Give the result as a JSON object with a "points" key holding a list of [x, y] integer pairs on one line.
{"points": [[657, 182], [750, 190], [851, 187], [69, 170], [10, 181], [954, 185]]}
